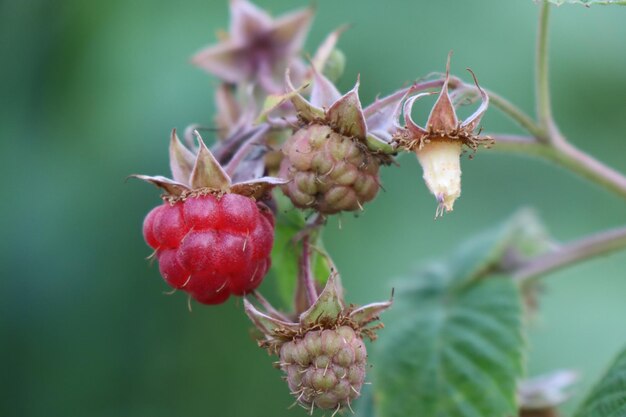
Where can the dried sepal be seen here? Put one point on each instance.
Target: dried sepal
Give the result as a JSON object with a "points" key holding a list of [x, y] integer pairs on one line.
{"points": [[227, 61], [229, 113], [274, 101], [471, 123], [240, 57], [246, 20], [346, 115], [290, 30], [323, 92], [324, 51], [265, 323], [383, 114], [443, 118], [256, 188], [207, 172], [370, 312], [170, 187], [328, 306], [181, 159], [306, 110]]}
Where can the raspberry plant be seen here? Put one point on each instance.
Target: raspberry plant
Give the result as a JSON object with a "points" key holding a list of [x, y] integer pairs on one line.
{"points": [[292, 150]]}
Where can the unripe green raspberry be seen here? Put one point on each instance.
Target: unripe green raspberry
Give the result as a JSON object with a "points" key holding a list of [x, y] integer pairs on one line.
{"points": [[327, 171], [325, 368]]}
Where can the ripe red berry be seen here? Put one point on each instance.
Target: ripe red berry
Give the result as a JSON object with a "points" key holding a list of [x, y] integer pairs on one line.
{"points": [[211, 247]]}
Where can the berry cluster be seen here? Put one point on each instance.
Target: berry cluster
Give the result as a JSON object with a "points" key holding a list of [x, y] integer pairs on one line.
{"points": [[328, 171], [325, 368]]}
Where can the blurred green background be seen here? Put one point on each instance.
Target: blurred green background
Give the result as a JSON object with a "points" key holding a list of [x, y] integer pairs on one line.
{"points": [[90, 91]]}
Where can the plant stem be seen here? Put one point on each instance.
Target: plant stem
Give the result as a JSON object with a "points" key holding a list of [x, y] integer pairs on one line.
{"points": [[306, 276], [589, 247], [567, 156], [542, 86], [505, 106], [515, 113]]}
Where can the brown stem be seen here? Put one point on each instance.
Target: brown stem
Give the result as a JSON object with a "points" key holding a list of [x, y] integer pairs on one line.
{"points": [[567, 156], [306, 275], [580, 250]]}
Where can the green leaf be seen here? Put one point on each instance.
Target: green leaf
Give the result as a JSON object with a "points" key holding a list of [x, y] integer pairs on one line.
{"points": [[588, 3], [608, 397], [452, 354], [454, 344], [520, 237]]}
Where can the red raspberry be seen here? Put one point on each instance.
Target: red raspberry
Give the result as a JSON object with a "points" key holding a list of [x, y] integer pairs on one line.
{"points": [[211, 247]]}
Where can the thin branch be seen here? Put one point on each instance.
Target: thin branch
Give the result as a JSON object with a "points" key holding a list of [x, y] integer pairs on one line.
{"points": [[589, 247], [542, 86], [566, 156], [515, 113], [306, 275]]}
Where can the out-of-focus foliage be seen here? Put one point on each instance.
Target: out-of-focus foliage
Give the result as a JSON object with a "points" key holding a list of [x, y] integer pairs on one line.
{"points": [[608, 398], [89, 93], [457, 347]]}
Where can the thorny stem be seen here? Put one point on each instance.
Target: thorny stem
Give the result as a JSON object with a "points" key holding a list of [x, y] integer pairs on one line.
{"points": [[586, 248], [306, 275], [542, 87]]}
